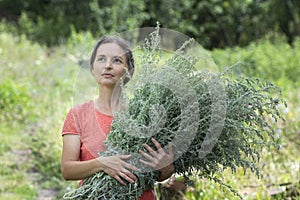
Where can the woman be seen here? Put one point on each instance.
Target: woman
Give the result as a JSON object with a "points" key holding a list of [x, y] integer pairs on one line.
{"points": [[87, 125]]}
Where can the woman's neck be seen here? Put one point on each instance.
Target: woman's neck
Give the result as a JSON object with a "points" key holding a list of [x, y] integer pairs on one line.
{"points": [[107, 100]]}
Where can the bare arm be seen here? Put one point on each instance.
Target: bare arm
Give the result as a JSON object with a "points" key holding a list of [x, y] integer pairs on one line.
{"points": [[74, 169], [166, 172]]}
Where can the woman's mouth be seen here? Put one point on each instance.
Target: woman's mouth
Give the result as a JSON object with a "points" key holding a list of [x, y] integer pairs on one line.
{"points": [[107, 75]]}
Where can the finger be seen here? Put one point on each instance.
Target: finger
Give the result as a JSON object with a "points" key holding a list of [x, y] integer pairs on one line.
{"points": [[131, 176], [170, 150], [119, 180], [128, 176], [150, 164], [156, 143], [130, 166], [124, 157], [158, 146], [151, 151], [147, 156]]}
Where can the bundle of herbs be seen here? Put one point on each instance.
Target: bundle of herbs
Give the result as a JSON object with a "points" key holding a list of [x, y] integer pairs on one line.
{"points": [[213, 120]]}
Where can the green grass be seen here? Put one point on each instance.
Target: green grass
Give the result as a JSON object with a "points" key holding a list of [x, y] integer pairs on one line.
{"points": [[45, 77], [15, 183]]}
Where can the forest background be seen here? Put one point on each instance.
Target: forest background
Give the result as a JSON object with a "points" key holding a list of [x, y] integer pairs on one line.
{"points": [[39, 40]]}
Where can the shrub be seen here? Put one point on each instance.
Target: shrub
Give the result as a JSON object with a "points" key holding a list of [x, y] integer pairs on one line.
{"points": [[270, 58], [14, 102]]}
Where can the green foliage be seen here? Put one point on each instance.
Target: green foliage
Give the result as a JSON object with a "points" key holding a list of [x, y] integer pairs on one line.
{"points": [[208, 189], [41, 146], [214, 23], [51, 22], [14, 102], [79, 45], [14, 181], [116, 16], [286, 14], [258, 60], [35, 88]]}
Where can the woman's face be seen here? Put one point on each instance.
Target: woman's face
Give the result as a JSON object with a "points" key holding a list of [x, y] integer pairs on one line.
{"points": [[109, 65]]}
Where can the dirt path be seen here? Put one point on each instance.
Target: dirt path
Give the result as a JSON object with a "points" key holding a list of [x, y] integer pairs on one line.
{"points": [[22, 157]]}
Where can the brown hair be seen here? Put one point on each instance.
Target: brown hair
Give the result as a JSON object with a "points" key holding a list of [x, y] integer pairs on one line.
{"points": [[123, 44]]}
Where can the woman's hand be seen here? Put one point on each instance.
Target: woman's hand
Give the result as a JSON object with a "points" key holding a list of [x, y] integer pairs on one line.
{"points": [[118, 168], [159, 159]]}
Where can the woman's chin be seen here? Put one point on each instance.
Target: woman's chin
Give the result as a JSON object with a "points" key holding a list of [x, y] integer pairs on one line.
{"points": [[107, 83]]}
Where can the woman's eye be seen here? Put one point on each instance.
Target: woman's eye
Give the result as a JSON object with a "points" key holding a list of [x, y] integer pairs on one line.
{"points": [[118, 61], [101, 59]]}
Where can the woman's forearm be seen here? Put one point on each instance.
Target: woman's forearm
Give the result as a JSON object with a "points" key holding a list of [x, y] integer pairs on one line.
{"points": [[78, 170]]}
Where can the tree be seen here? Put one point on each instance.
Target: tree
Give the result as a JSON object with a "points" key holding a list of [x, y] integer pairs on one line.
{"points": [[53, 20], [213, 23], [286, 15]]}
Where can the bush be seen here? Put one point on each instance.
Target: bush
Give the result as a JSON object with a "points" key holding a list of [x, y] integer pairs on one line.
{"points": [[14, 102], [271, 58]]}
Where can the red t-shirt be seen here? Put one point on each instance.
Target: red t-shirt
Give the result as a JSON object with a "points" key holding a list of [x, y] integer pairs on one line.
{"points": [[93, 126]]}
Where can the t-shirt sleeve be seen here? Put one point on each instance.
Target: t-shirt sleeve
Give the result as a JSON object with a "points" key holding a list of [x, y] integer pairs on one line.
{"points": [[70, 126]]}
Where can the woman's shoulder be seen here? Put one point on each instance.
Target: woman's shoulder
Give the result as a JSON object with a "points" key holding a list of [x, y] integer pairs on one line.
{"points": [[83, 106], [82, 109]]}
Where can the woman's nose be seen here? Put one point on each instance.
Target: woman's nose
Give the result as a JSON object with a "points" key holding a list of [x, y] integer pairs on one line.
{"points": [[108, 64]]}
